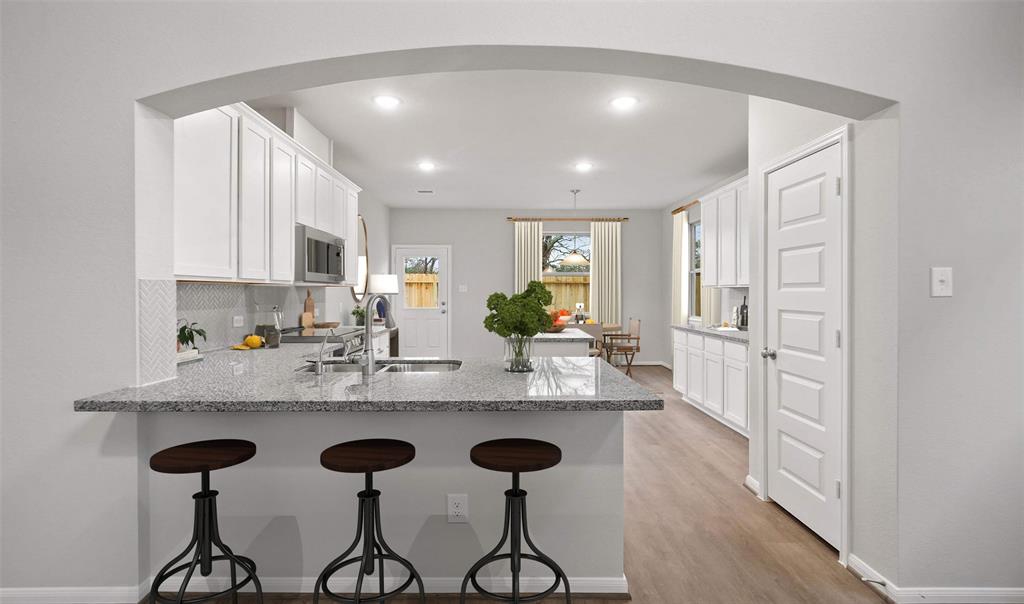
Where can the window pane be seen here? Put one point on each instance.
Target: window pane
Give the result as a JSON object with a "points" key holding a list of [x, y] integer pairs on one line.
{"points": [[566, 253], [421, 281], [695, 236]]}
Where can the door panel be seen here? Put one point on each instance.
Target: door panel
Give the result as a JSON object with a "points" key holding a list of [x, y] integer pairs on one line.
{"points": [[735, 384], [679, 369], [421, 307], [694, 375], [282, 203], [253, 201], [803, 246], [713, 376]]}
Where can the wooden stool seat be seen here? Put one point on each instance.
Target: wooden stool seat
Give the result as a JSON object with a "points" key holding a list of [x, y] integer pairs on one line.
{"points": [[515, 455], [202, 456], [369, 455]]}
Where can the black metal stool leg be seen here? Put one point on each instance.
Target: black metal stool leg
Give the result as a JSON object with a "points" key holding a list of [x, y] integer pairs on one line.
{"points": [[515, 531], [205, 535], [374, 550]]}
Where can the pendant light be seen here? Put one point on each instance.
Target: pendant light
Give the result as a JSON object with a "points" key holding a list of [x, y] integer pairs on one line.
{"points": [[575, 258]]}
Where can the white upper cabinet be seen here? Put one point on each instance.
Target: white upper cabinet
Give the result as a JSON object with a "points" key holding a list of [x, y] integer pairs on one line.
{"points": [[743, 235], [305, 190], [338, 200], [253, 201], [283, 191], [206, 194], [725, 227], [324, 200], [727, 238], [709, 245], [240, 185]]}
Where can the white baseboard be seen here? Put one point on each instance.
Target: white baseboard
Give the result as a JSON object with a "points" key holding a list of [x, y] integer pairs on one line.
{"points": [[752, 484], [935, 595], [128, 594], [132, 594]]}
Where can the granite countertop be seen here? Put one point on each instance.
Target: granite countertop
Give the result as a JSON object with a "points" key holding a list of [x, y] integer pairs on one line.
{"points": [[266, 380], [743, 337], [569, 334]]}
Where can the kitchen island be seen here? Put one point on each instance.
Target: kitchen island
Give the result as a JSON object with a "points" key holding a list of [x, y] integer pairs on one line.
{"points": [[292, 516]]}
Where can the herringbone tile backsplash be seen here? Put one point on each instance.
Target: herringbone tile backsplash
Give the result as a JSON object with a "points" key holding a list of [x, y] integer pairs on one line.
{"points": [[214, 305], [156, 330]]}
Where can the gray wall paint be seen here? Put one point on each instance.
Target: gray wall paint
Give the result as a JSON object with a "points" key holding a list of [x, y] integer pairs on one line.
{"points": [[482, 255], [961, 433], [776, 129]]}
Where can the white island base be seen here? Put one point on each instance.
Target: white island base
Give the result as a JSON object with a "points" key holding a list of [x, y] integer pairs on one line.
{"points": [[291, 516]]}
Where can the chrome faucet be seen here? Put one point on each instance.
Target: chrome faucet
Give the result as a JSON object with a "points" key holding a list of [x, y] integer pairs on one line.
{"points": [[369, 354], [319, 367]]}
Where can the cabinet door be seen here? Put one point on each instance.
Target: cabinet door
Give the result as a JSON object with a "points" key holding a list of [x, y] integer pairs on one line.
{"points": [[694, 375], [324, 200], [713, 387], [679, 369], [206, 194], [743, 235], [253, 201], [282, 204], [339, 199], [305, 190], [353, 234], [727, 263], [735, 385], [709, 245]]}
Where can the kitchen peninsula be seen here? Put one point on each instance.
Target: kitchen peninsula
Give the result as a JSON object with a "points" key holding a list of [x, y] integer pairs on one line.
{"points": [[290, 515]]}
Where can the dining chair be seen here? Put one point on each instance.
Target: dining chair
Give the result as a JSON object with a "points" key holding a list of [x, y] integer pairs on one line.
{"points": [[626, 344], [597, 332]]}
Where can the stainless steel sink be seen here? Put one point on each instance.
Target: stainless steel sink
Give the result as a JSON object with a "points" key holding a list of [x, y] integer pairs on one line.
{"points": [[337, 366], [430, 367]]}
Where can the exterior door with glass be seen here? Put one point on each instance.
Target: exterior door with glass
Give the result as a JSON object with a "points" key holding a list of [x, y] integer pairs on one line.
{"points": [[421, 309]]}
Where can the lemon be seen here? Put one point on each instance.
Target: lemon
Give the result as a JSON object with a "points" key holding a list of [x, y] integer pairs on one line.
{"points": [[253, 341], [240, 347]]}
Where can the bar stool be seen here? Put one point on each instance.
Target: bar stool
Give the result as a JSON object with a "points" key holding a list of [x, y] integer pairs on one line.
{"points": [[204, 457], [515, 455], [366, 457]]}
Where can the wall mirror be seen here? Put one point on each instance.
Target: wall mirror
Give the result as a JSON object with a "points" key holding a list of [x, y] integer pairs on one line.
{"points": [[362, 247]]}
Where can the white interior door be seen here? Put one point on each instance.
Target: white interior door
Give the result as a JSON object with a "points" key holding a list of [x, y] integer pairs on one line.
{"points": [[804, 369], [421, 309]]}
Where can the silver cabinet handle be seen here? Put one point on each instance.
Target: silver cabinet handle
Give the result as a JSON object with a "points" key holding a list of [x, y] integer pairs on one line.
{"points": [[767, 353], [443, 311]]}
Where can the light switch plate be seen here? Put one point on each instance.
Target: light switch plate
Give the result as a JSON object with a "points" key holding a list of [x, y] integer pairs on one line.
{"points": [[463, 288], [942, 281]]}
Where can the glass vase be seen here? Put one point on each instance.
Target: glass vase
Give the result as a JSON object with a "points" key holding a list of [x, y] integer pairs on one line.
{"points": [[517, 354]]}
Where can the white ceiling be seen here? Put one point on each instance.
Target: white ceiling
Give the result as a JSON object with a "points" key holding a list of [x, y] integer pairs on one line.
{"points": [[511, 139]]}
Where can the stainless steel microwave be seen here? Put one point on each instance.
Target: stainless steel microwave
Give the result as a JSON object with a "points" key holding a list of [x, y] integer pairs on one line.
{"points": [[319, 256]]}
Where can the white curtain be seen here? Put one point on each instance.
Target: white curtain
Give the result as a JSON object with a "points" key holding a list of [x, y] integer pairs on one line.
{"points": [[680, 268], [529, 253], [606, 272]]}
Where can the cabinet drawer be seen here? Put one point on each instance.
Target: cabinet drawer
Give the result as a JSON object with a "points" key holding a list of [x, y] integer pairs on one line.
{"points": [[678, 338], [695, 341], [713, 346], [737, 352]]}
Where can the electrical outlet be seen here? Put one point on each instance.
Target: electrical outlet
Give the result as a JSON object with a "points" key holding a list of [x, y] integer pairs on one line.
{"points": [[237, 321], [458, 508]]}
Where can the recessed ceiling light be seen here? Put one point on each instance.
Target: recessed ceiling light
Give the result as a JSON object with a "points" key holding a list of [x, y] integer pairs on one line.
{"points": [[427, 166], [624, 103], [385, 101], [584, 166]]}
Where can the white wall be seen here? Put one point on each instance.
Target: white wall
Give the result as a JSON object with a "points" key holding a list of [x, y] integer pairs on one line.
{"points": [[955, 68], [482, 253], [308, 135], [377, 216]]}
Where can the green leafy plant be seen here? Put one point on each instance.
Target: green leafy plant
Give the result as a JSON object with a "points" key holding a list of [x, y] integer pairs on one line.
{"points": [[360, 314], [187, 333], [523, 314]]}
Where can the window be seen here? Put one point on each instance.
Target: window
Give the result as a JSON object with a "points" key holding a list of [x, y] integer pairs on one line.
{"points": [[421, 282], [568, 281], [695, 258]]}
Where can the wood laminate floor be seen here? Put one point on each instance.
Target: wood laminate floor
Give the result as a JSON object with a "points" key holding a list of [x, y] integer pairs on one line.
{"points": [[694, 534]]}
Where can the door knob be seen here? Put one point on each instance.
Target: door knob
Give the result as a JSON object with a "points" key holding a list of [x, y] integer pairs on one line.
{"points": [[767, 353], [443, 311]]}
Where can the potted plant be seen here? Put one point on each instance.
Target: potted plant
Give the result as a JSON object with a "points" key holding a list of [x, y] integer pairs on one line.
{"points": [[360, 314], [187, 333], [518, 318]]}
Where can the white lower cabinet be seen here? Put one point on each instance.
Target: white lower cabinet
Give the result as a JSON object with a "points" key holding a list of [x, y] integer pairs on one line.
{"points": [[711, 374]]}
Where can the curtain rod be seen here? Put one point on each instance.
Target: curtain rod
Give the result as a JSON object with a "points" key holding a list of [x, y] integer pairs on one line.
{"points": [[565, 219], [685, 206]]}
